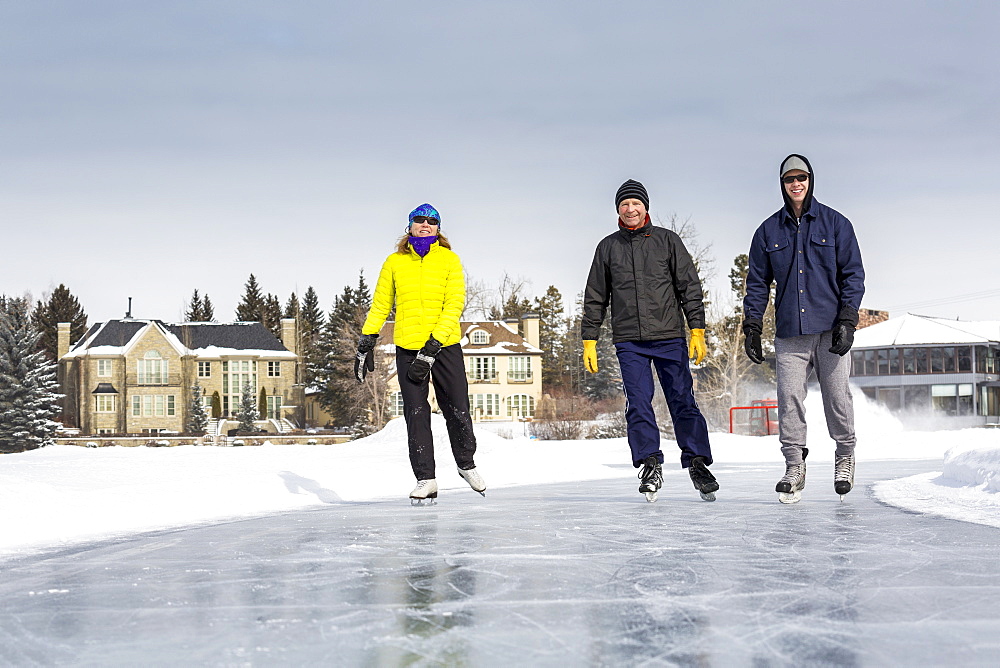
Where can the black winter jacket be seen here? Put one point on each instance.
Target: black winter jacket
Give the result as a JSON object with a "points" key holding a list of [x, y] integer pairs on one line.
{"points": [[649, 279]]}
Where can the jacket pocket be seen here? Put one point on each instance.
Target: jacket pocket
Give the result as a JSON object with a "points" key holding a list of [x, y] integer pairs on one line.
{"points": [[824, 251], [779, 254]]}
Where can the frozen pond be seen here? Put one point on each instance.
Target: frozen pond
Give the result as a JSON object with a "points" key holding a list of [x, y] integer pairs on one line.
{"points": [[565, 574]]}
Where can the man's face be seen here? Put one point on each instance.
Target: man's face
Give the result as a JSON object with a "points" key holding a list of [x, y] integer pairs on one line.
{"points": [[632, 213], [797, 189]]}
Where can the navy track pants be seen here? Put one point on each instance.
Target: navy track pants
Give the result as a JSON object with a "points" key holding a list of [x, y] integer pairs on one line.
{"points": [[670, 359]]}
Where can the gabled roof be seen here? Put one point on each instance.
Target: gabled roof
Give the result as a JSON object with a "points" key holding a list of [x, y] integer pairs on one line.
{"points": [[201, 339], [911, 330], [504, 339]]}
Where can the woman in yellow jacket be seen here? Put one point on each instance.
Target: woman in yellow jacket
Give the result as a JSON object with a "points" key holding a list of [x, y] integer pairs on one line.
{"points": [[425, 281]]}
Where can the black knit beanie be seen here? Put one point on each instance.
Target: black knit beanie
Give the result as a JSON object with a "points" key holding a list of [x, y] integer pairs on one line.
{"points": [[632, 190]]}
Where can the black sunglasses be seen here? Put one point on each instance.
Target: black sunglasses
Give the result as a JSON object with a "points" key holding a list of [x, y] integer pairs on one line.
{"points": [[792, 179], [420, 220]]}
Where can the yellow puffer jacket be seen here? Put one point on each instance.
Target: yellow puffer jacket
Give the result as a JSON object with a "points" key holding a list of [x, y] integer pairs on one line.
{"points": [[429, 293]]}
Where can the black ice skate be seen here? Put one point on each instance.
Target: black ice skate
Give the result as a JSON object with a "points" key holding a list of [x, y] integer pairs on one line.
{"points": [[790, 487], [425, 493], [475, 480], [703, 479], [651, 476], [843, 474]]}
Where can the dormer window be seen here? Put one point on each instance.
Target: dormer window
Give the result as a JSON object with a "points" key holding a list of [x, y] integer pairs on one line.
{"points": [[480, 337]]}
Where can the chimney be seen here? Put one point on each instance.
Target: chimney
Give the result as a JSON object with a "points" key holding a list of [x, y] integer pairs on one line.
{"points": [[529, 325], [62, 339], [288, 334]]}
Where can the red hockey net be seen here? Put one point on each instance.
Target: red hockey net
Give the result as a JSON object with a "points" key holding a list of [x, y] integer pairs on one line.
{"points": [[759, 420]]}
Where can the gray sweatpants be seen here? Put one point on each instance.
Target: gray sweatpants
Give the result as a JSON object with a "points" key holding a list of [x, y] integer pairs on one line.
{"points": [[796, 357]]}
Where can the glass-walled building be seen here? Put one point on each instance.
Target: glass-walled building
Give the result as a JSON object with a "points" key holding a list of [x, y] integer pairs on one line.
{"points": [[936, 371]]}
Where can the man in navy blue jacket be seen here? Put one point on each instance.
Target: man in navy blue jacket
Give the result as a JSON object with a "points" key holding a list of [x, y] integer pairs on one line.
{"points": [[810, 252]]}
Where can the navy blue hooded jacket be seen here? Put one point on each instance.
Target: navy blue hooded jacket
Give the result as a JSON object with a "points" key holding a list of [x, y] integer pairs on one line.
{"points": [[814, 262]]}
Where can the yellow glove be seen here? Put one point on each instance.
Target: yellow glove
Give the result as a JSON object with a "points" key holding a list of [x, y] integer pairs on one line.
{"points": [[590, 356], [697, 347]]}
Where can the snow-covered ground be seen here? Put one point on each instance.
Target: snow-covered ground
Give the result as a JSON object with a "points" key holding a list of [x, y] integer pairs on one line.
{"points": [[66, 494]]}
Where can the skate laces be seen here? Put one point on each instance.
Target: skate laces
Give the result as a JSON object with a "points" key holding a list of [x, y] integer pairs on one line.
{"points": [[792, 472], [844, 467]]}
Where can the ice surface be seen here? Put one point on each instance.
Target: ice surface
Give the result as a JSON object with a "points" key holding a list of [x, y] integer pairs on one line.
{"points": [[583, 573]]}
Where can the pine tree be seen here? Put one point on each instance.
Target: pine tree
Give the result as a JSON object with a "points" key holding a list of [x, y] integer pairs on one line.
{"points": [[310, 327], [340, 392], [28, 399], [247, 413], [551, 331], [195, 309], [270, 314], [251, 307], [216, 405], [292, 307], [207, 310], [262, 403], [197, 415], [61, 306]]}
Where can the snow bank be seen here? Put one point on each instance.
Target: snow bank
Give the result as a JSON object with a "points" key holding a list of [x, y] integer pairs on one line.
{"points": [[965, 490], [972, 465]]}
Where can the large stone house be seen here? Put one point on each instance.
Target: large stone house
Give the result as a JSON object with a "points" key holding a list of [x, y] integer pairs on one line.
{"points": [[135, 376], [503, 366]]}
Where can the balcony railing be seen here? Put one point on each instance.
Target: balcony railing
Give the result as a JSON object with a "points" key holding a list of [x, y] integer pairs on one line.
{"points": [[153, 379], [519, 377], [473, 378]]}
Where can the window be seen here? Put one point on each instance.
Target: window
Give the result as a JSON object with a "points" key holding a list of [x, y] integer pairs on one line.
{"points": [[105, 403], [909, 363], [857, 363], [483, 369], [520, 405], [883, 362], [396, 404], [105, 431], [916, 398], [921, 357], [104, 368], [236, 374], [152, 369], [154, 405], [869, 363], [273, 369], [204, 369], [964, 359], [520, 369], [484, 405], [480, 337], [949, 359], [274, 408], [945, 399]]}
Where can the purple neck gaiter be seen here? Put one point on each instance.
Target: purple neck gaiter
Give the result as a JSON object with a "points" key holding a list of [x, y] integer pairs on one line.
{"points": [[421, 245]]}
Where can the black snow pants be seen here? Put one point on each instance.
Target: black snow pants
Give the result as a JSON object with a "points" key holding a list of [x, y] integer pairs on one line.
{"points": [[451, 387]]}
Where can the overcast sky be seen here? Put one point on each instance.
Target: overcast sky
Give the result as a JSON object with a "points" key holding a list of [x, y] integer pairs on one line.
{"points": [[149, 149]]}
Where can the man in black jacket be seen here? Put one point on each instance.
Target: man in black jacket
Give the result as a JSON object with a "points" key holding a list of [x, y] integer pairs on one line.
{"points": [[645, 274]]}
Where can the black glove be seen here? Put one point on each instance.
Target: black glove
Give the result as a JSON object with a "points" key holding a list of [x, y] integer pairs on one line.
{"points": [[364, 361], [421, 366], [751, 344], [843, 331]]}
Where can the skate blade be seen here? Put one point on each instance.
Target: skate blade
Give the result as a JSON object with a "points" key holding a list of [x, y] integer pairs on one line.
{"points": [[789, 497], [707, 496], [430, 501], [483, 493], [650, 497]]}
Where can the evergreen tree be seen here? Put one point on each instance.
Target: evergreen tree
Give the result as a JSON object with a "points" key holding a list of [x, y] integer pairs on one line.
{"points": [[270, 314], [340, 393], [262, 403], [251, 307], [551, 331], [195, 309], [197, 421], [61, 306], [292, 307], [207, 310], [310, 326], [28, 399], [247, 413], [216, 405]]}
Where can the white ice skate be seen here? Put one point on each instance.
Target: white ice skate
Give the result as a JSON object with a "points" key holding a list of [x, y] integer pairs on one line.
{"points": [[475, 480], [790, 487], [425, 493], [843, 474]]}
